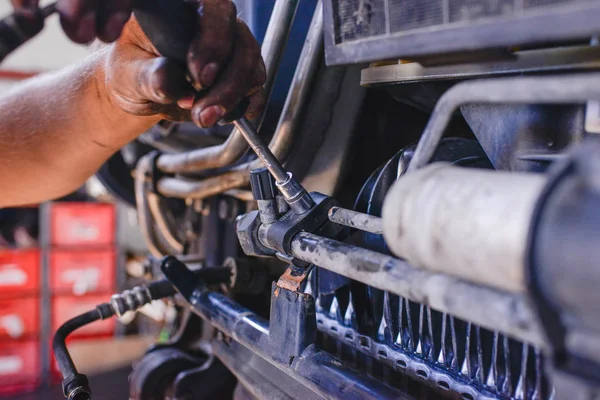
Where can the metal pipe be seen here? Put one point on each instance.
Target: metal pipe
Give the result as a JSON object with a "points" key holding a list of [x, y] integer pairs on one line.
{"points": [[234, 147], [164, 221], [495, 310], [302, 83], [145, 220], [252, 331], [353, 219], [560, 89]]}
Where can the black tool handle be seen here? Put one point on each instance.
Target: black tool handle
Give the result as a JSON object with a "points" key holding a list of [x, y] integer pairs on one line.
{"points": [[171, 25]]}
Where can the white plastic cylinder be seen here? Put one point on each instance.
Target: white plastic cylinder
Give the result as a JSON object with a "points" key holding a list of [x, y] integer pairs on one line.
{"points": [[470, 223]]}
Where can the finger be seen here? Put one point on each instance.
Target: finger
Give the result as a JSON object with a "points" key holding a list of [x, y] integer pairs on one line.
{"points": [[211, 49], [257, 103], [257, 94], [78, 19], [143, 85], [29, 4], [233, 84], [186, 103], [160, 80], [259, 75], [112, 17]]}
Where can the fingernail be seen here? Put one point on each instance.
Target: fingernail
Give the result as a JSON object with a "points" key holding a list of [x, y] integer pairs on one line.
{"points": [[209, 74], [209, 116], [186, 102], [115, 24], [87, 27]]}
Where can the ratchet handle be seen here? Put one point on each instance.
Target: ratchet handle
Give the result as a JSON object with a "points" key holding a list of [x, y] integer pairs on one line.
{"points": [[171, 25]]}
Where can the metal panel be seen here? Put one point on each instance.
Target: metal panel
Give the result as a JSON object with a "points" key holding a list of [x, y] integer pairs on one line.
{"points": [[419, 28]]}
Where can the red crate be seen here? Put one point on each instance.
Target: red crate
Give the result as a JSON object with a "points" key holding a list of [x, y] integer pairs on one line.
{"points": [[81, 272], [19, 318], [19, 272], [19, 366], [67, 307], [75, 224]]}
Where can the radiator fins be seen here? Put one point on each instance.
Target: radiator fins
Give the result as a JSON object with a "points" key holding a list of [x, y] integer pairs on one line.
{"points": [[465, 358]]}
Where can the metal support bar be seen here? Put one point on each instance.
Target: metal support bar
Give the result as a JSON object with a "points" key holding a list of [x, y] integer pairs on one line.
{"points": [[496, 310], [548, 60], [260, 378], [561, 89], [234, 147], [289, 122], [357, 220], [288, 343], [314, 368]]}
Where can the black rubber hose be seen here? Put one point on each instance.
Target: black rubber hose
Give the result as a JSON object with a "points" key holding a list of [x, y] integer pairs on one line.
{"points": [[63, 359], [75, 385]]}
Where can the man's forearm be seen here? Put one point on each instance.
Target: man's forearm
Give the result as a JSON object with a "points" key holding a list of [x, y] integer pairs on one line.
{"points": [[57, 129]]}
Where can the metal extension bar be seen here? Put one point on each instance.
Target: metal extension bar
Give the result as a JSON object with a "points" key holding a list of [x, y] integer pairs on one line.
{"points": [[290, 120], [234, 147]]}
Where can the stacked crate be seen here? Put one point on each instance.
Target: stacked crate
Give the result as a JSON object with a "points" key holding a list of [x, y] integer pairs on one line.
{"points": [[80, 256], [20, 339]]}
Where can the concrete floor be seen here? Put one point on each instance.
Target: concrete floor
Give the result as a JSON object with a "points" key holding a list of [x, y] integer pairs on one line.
{"points": [[110, 385], [106, 362]]}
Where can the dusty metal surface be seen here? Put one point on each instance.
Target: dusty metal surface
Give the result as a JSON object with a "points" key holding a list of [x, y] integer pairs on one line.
{"points": [[577, 58], [353, 219], [423, 29], [493, 309]]}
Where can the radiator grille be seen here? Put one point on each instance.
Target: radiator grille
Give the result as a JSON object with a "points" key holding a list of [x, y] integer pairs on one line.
{"points": [[357, 19], [392, 338]]}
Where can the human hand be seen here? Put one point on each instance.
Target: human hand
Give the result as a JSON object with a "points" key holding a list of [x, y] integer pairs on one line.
{"points": [[82, 20], [223, 61]]}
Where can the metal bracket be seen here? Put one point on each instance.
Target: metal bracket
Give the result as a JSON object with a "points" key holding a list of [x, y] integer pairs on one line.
{"points": [[293, 324], [279, 235]]}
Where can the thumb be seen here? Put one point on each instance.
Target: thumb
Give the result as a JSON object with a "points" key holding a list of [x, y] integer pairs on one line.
{"points": [[138, 78]]}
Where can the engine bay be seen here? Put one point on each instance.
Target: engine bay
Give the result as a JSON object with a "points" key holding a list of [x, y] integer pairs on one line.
{"points": [[417, 219]]}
